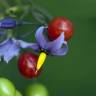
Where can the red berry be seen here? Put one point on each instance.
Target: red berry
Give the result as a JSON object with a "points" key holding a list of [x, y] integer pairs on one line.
{"points": [[27, 65], [58, 25]]}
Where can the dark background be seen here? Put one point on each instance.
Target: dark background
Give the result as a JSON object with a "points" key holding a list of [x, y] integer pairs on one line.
{"points": [[75, 73]]}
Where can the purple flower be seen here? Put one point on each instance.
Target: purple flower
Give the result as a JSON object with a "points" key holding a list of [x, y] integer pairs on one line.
{"points": [[11, 47], [57, 47]]}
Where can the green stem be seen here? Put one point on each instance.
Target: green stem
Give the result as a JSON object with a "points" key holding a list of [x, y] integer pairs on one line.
{"points": [[9, 33], [26, 11]]}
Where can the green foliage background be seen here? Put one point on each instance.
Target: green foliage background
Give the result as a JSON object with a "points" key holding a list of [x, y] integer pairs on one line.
{"points": [[74, 74]]}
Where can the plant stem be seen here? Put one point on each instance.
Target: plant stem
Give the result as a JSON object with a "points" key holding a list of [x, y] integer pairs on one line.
{"points": [[9, 33]]}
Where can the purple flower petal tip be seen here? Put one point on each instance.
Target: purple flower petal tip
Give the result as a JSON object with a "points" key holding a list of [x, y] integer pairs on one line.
{"points": [[11, 47], [62, 51], [40, 38]]}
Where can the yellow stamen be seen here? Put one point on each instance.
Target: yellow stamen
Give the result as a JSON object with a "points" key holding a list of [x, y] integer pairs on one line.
{"points": [[41, 60]]}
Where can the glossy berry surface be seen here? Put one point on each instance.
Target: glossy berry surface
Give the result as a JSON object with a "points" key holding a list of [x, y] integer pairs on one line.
{"points": [[27, 65], [18, 93], [58, 25], [36, 90], [7, 88]]}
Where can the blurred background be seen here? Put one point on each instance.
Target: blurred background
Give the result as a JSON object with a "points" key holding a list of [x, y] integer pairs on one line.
{"points": [[75, 73]]}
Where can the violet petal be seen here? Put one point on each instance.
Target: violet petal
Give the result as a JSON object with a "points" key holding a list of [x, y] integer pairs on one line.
{"points": [[13, 51], [4, 46], [56, 44], [24, 44], [11, 47], [61, 51], [8, 50], [40, 37]]}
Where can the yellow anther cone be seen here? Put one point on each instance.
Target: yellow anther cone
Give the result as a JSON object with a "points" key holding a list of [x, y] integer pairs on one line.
{"points": [[41, 60]]}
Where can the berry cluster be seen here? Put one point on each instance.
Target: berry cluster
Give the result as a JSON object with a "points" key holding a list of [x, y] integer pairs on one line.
{"points": [[7, 88], [51, 39], [58, 32]]}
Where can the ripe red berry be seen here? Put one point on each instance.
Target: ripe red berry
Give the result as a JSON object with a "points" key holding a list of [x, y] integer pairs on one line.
{"points": [[27, 65], [58, 25]]}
